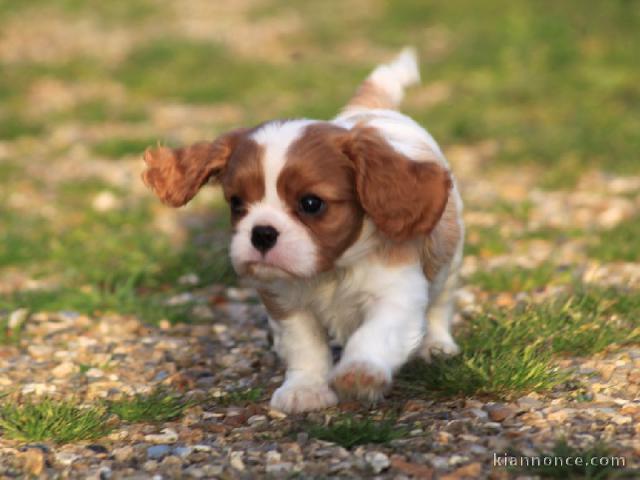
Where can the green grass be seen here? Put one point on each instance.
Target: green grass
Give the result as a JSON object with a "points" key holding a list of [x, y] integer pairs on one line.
{"points": [[158, 406], [241, 397], [348, 431], [519, 279], [553, 464], [13, 127], [120, 147], [109, 261], [511, 352], [619, 244], [58, 421], [105, 12], [486, 241]]}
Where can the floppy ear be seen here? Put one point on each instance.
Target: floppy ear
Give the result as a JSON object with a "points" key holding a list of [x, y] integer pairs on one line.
{"points": [[176, 174], [403, 197]]}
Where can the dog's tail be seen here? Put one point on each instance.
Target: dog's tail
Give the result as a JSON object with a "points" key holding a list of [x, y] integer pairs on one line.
{"points": [[384, 87]]}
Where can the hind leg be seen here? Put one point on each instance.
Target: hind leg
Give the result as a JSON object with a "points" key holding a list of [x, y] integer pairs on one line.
{"points": [[438, 340]]}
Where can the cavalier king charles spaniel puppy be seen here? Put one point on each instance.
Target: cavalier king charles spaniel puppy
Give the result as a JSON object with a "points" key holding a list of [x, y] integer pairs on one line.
{"points": [[349, 229]]}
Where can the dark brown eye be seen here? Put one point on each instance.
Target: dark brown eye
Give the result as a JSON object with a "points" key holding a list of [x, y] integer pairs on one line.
{"points": [[237, 205], [311, 204]]}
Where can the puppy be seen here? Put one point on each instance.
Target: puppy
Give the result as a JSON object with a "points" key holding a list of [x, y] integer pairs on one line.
{"points": [[349, 229]]}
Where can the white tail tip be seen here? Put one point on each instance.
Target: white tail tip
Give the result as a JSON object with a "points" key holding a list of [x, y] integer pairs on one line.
{"points": [[405, 67], [395, 76]]}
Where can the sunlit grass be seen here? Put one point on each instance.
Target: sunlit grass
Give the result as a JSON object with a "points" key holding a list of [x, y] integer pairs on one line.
{"points": [[519, 279], [58, 421], [158, 406], [619, 244], [349, 431], [511, 351]]}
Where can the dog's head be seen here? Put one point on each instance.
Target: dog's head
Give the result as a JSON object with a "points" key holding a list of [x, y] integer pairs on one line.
{"points": [[299, 191]]}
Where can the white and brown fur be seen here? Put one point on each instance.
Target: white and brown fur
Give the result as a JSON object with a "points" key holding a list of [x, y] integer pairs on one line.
{"points": [[376, 269]]}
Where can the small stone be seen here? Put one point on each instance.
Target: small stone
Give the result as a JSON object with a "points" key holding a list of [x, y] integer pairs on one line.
{"points": [[66, 458], [256, 420], [189, 279], [235, 460], [499, 412], [378, 461], [183, 452], [561, 416], [104, 473], [621, 419], [38, 389], [158, 451], [471, 470], [457, 459], [444, 438], [478, 413], [631, 409], [180, 299], [529, 403], [273, 456], [123, 454], [33, 461], [634, 377], [167, 435], [65, 369], [17, 318], [439, 462], [413, 470], [277, 415], [94, 373], [279, 468], [40, 352]]}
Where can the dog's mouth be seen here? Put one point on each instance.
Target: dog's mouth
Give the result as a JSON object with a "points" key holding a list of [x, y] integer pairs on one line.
{"points": [[262, 270]]}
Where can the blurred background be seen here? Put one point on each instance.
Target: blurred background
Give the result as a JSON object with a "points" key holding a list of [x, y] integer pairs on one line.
{"points": [[535, 103]]}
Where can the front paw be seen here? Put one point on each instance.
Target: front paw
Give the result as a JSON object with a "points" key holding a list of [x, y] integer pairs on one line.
{"points": [[296, 397], [438, 346], [361, 379]]}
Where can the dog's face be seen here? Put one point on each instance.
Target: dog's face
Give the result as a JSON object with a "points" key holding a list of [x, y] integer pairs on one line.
{"points": [[298, 192]]}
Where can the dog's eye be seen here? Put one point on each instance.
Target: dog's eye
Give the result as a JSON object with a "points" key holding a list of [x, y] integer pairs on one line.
{"points": [[311, 205], [236, 204]]}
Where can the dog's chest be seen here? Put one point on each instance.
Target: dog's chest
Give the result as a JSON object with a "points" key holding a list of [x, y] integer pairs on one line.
{"points": [[338, 300], [340, 306]]}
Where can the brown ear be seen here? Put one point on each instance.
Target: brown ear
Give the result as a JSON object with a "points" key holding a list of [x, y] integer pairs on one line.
{"points": [[403, 197], [176, 174]]}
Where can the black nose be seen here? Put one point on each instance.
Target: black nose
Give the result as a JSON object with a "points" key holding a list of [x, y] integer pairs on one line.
{"points": [[263, 237]]}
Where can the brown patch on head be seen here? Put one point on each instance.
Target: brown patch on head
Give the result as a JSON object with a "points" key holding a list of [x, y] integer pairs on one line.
{"points": [[440, 247], [243, 179], [316, 165], [176, 174], [370, 95], [404, 198]]}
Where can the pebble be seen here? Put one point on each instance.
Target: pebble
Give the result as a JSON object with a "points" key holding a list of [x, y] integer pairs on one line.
{"points": [[235, 460], [158, 451], [378, 461], [66, 458], [17, 318], [167, 435], [499, 412], [183, 452], [123, 454], [65, 369], [256, 420]]}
